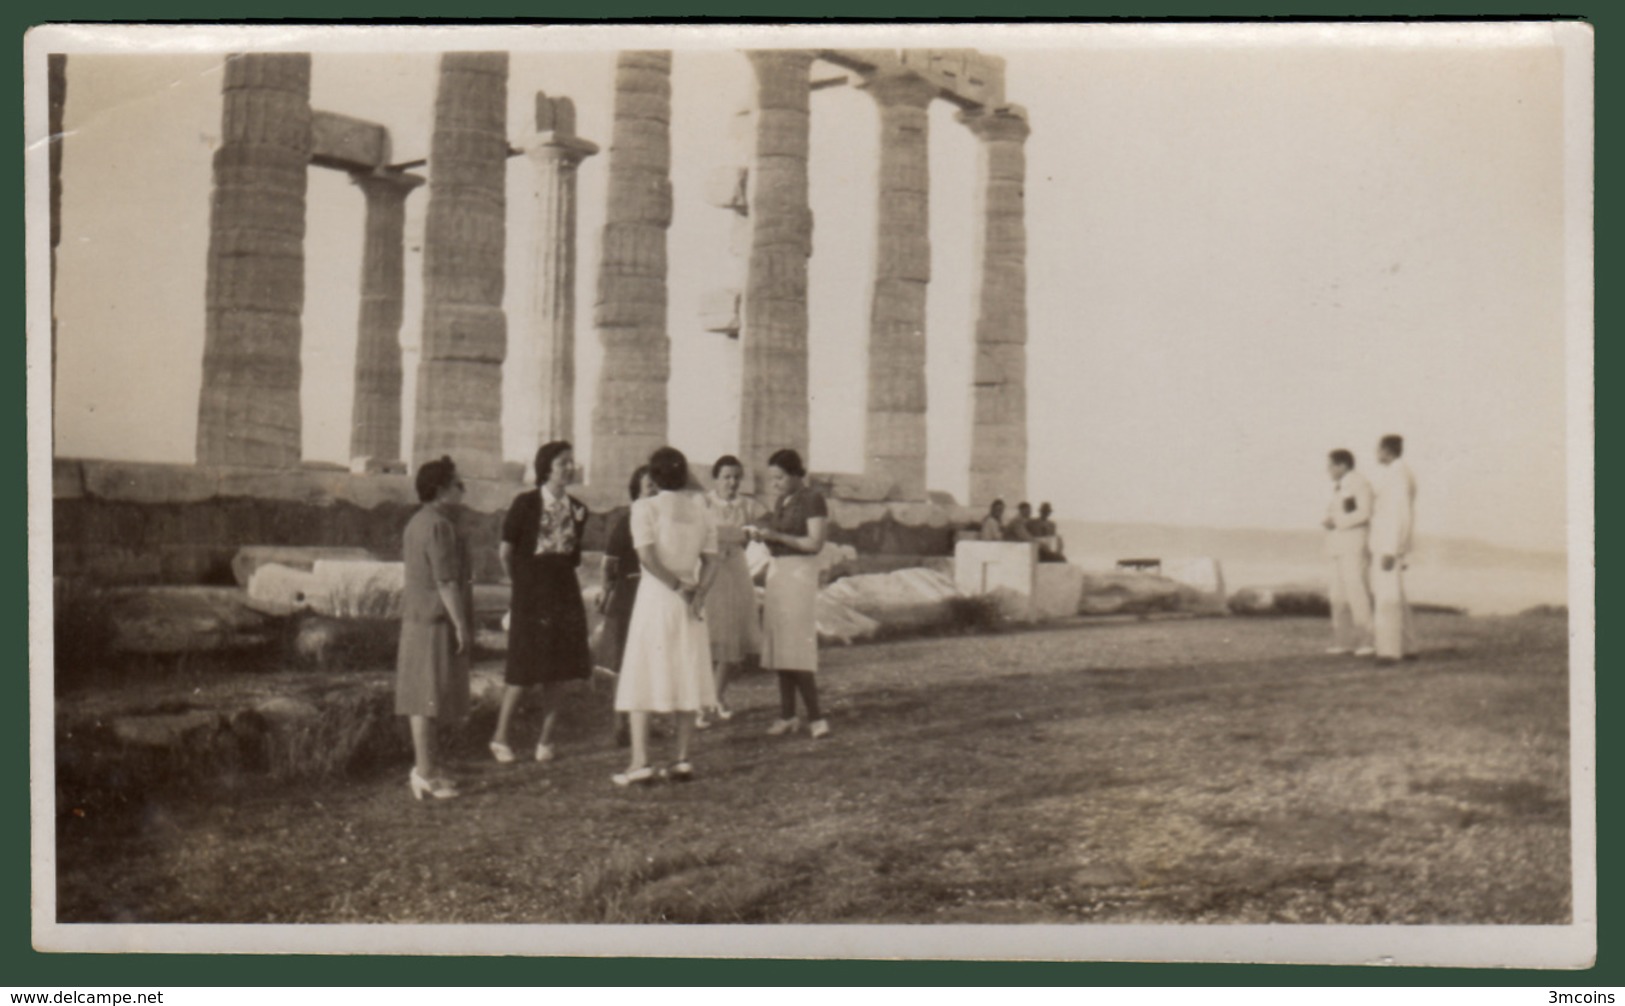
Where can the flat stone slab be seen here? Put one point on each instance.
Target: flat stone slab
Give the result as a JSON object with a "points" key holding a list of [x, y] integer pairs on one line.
{"points": [[252, 557]]}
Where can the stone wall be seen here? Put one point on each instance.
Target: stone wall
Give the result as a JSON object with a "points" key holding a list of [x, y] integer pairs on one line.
{"points": [[129, 522]]}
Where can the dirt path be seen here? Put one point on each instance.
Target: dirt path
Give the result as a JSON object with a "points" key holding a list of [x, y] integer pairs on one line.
{"points": [[1200, 771]]}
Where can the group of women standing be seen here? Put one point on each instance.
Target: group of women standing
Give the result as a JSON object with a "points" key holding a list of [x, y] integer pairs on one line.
{"points": [[679, 605]]}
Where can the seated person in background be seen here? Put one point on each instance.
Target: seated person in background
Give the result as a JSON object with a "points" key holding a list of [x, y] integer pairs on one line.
{"points": [[993, 523], [1050, 547], [1018, 529]]}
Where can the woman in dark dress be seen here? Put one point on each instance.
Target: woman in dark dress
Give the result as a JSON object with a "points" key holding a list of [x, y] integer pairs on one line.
{"points": [[437, 604], [621, 571], [547, 630]]}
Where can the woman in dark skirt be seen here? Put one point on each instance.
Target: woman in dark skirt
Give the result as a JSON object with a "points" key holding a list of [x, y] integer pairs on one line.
{"points": [[547, 622], [437, 604], [621, 572]]}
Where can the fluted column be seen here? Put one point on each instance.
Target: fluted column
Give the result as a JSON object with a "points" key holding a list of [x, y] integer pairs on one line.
{"points": [[375, 418], [465, 334], [895, 436], [556, 154], [998, 457], [248, 409], [773, 407], [629, 418]]}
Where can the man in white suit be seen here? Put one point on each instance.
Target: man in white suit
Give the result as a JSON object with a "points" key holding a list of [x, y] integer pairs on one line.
{"points": [[1347, 524], [1393, 514]]}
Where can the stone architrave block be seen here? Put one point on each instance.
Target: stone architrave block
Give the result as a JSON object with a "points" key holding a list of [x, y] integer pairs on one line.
{"points": [[1004, 570], [349, 143]]}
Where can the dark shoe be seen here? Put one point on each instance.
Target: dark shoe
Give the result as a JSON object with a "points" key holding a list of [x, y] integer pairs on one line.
{"points": [[681, 772]]}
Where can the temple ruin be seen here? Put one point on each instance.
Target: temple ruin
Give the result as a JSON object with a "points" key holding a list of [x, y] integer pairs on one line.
{"points": [[248, 414]]}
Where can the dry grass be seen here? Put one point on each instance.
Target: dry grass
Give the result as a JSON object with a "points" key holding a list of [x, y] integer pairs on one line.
{"points": [[1195, 771]]}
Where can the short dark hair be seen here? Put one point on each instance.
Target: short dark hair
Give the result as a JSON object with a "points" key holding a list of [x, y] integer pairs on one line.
{"points": [[434, 476], [726, 461], [1024, 507], [1393, 443], [1045, 506], [546, 455], [634, 488], [1342, 457], [669, 468], [997, 504], [786, 460]]}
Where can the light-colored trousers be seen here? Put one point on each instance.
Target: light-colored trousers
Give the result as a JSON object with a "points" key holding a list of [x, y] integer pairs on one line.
{"points": [[1350, 597], [1395, 635]]}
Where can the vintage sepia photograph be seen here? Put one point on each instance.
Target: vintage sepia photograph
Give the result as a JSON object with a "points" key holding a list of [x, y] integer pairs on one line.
{"points": [[1070, 491]]}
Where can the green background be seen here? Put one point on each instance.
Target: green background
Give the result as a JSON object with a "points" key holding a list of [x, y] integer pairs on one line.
{"points": [[21, 965]]}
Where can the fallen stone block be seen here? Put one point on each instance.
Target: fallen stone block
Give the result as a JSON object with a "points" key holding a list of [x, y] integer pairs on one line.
{"points": [[359, 589], [165, 729], [838, 623], [252, 557], [1287, 599], [1057, 589], [171, 619], [904, 599], [347, 643], [276, 589], [286, 708], [1132, 593]]}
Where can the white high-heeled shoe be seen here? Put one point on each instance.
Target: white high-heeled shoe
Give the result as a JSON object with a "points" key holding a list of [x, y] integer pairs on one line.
{"points": [[440, 789]]}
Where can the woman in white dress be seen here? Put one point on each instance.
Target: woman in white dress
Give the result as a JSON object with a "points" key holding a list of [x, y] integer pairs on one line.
{"points": [[730, 607], [666, 667]]}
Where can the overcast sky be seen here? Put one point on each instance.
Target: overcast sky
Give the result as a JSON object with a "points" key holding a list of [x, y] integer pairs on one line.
{"points": [[1240, 256]]}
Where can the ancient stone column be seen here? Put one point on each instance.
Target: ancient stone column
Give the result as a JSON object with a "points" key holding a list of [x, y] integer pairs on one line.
{"points": [[998, 456], [248, 410], [465, 334], [556, 154], [773, 409], [629, 418], [895, 437], [375, 419]]}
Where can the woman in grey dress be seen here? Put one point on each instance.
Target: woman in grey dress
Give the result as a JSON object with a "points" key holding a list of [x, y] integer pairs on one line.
{"points": [[431, 666]]}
